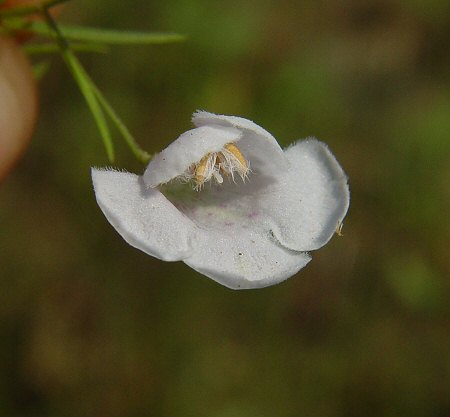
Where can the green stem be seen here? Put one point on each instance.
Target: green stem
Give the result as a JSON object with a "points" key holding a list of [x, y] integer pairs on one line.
{"points": [[138, 152], [96, 99], [82, 78]]}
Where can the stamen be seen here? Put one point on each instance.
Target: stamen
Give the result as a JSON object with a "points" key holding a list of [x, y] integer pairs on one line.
{"points": [[231, 147], [200, 170], [215, 164], [218, 177]]}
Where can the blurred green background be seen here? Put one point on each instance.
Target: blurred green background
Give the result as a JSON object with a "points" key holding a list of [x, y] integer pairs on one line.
{"points": [[92, 327]]}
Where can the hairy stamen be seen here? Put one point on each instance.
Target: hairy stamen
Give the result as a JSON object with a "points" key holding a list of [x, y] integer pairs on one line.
{"points": [[218, 164]]}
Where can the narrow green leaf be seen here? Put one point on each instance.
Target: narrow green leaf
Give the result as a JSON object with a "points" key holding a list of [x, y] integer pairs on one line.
{"points": [[82, 80], [106, 36], [51, 48], [12, 25], [84, 84], [138, 152]]}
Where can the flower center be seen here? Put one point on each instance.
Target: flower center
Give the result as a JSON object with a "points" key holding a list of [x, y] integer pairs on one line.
{"points": [[215, 165]]}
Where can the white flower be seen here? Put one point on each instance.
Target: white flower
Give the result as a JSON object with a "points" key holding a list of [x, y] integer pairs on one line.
{"points": [[225, 199]]}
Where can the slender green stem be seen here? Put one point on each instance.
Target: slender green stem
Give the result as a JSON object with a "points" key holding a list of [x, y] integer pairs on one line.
{"points": [[30, 8], [93, 96], [82, 78], [138, 152], [96, 99]]}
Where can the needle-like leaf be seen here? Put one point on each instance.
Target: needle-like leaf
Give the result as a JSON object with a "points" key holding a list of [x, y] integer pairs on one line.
{"points": [[84, 84], [106, 36]]}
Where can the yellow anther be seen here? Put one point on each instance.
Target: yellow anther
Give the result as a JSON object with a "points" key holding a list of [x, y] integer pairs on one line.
{"points": [[200, 170], [237, 153], [227, 161]]}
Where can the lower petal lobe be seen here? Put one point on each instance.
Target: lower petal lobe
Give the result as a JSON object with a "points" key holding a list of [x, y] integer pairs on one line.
{"points": [[143, 217]]}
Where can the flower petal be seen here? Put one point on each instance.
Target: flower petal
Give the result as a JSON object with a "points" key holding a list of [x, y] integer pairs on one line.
{"points": [[256, 144], [188, 149], [311, 200], [143, 217], [243, 259]]}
